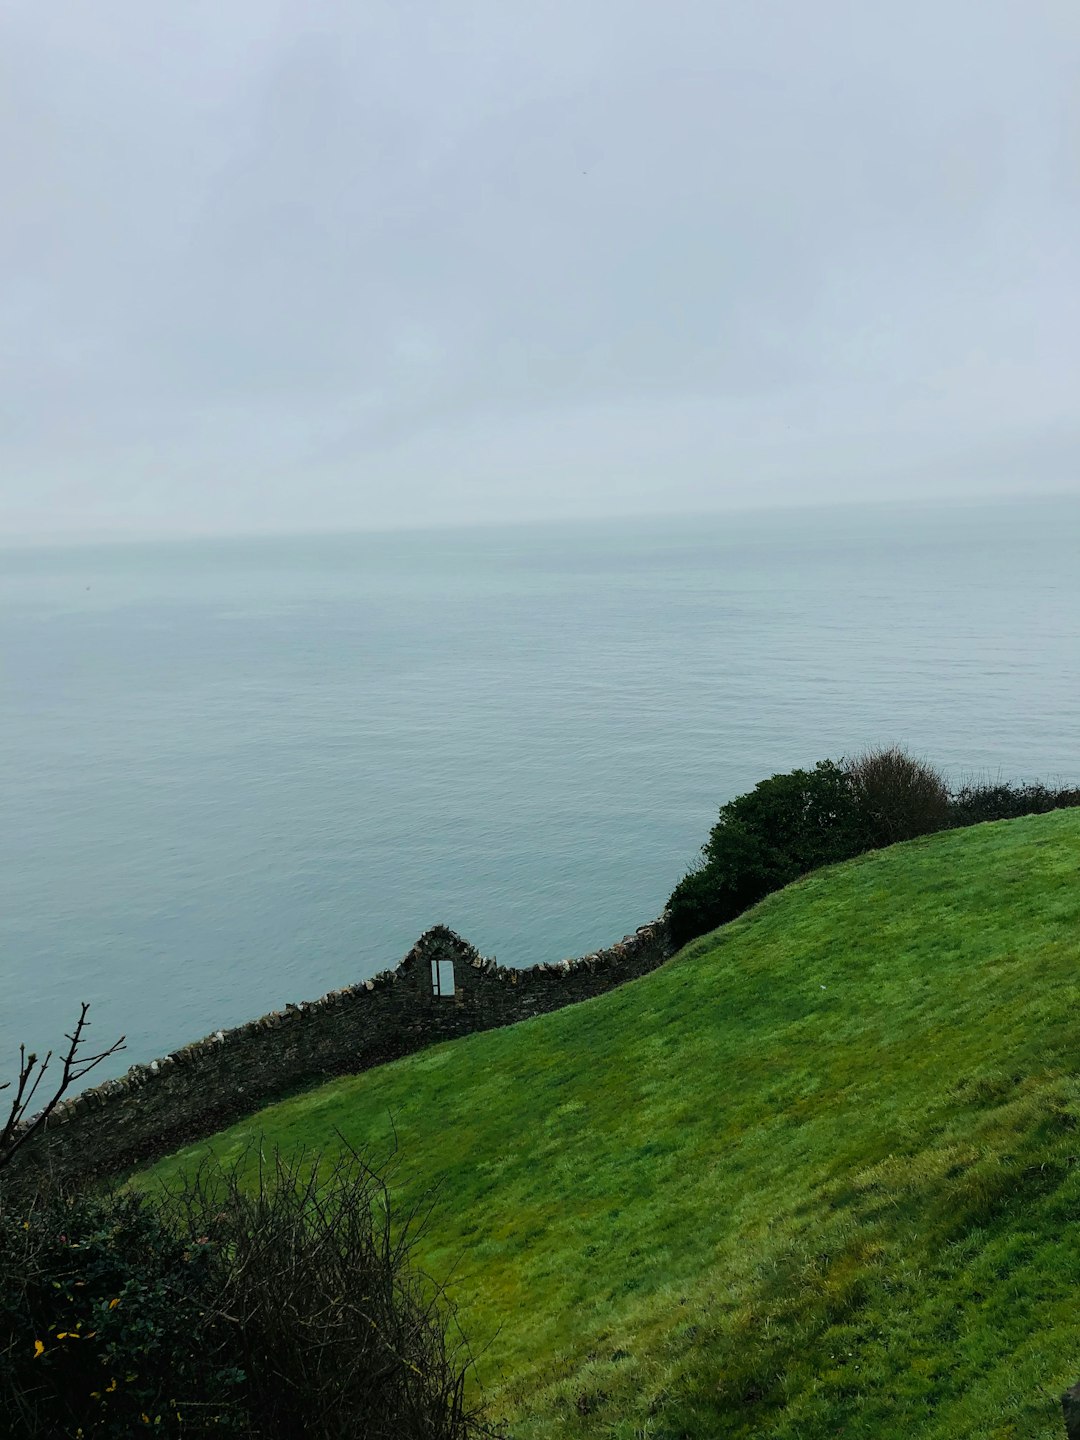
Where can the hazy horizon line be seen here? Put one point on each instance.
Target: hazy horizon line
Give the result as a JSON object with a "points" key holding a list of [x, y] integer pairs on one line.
{"points": [[71, 540]]}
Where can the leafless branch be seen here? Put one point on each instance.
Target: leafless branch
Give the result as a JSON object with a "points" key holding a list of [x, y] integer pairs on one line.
{"points": [[21, 1125]]}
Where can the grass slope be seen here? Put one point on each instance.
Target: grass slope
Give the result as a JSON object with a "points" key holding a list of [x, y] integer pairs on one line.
{"points": [[816, 1177]]}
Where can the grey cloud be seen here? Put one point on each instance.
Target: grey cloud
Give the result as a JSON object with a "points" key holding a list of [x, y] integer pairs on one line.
{"points": [[284, 265]]}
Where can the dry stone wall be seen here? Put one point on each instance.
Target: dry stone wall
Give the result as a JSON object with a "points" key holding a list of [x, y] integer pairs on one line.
{"points": [[199, 1088]]}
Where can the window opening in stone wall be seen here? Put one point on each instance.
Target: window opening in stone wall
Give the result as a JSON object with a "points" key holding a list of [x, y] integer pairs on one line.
{"points": [[442, 977]]}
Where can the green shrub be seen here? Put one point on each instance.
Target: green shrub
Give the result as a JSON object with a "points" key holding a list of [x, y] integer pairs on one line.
{"points": [[763, 840], [793, 823]]}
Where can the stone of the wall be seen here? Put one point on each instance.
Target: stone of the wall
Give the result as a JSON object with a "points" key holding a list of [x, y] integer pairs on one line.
{"points": [[201, 1087], [1070, 1405]]}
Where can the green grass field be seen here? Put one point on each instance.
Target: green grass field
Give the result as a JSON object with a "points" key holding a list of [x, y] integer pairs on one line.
{"points": [[816, 1177]]}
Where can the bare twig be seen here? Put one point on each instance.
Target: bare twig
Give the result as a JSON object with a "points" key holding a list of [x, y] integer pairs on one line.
{"points": [[74, 1064]]}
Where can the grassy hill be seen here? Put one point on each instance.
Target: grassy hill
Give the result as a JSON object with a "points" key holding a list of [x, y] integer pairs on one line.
{"points": [[818, 1176]]}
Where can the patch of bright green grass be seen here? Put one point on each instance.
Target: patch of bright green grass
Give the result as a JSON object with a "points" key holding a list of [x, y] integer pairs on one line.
{"points": [[818, 1176]]}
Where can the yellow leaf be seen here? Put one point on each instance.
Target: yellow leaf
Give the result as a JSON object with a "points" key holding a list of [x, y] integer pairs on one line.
{"points": [[113, 1303], [39, 1349]]}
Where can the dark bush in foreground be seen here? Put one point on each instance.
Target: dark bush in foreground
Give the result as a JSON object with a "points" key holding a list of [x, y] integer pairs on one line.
{"points": [[107, 1323], [284, 1307], [336, 1333]]}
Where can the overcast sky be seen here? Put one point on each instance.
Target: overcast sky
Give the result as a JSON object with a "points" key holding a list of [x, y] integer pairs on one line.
{"points": [[346, 263]]}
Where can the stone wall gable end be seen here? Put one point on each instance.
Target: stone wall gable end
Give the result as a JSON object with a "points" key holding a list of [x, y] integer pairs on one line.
{"points": [[203, 1086]]}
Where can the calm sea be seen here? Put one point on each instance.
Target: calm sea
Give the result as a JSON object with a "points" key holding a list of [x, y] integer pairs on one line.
{"points": [[240, 773]]}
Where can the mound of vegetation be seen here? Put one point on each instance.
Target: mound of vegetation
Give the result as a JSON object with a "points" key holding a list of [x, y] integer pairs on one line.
{"points": [[285, 1308], [793, 823], [817, 1176]]}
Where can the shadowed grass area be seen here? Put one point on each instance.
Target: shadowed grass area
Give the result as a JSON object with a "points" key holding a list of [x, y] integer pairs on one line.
{"points": [[817, 1176]]}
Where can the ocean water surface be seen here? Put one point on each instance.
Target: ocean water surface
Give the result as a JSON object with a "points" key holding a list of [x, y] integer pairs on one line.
{"points": [[239, 773]]}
